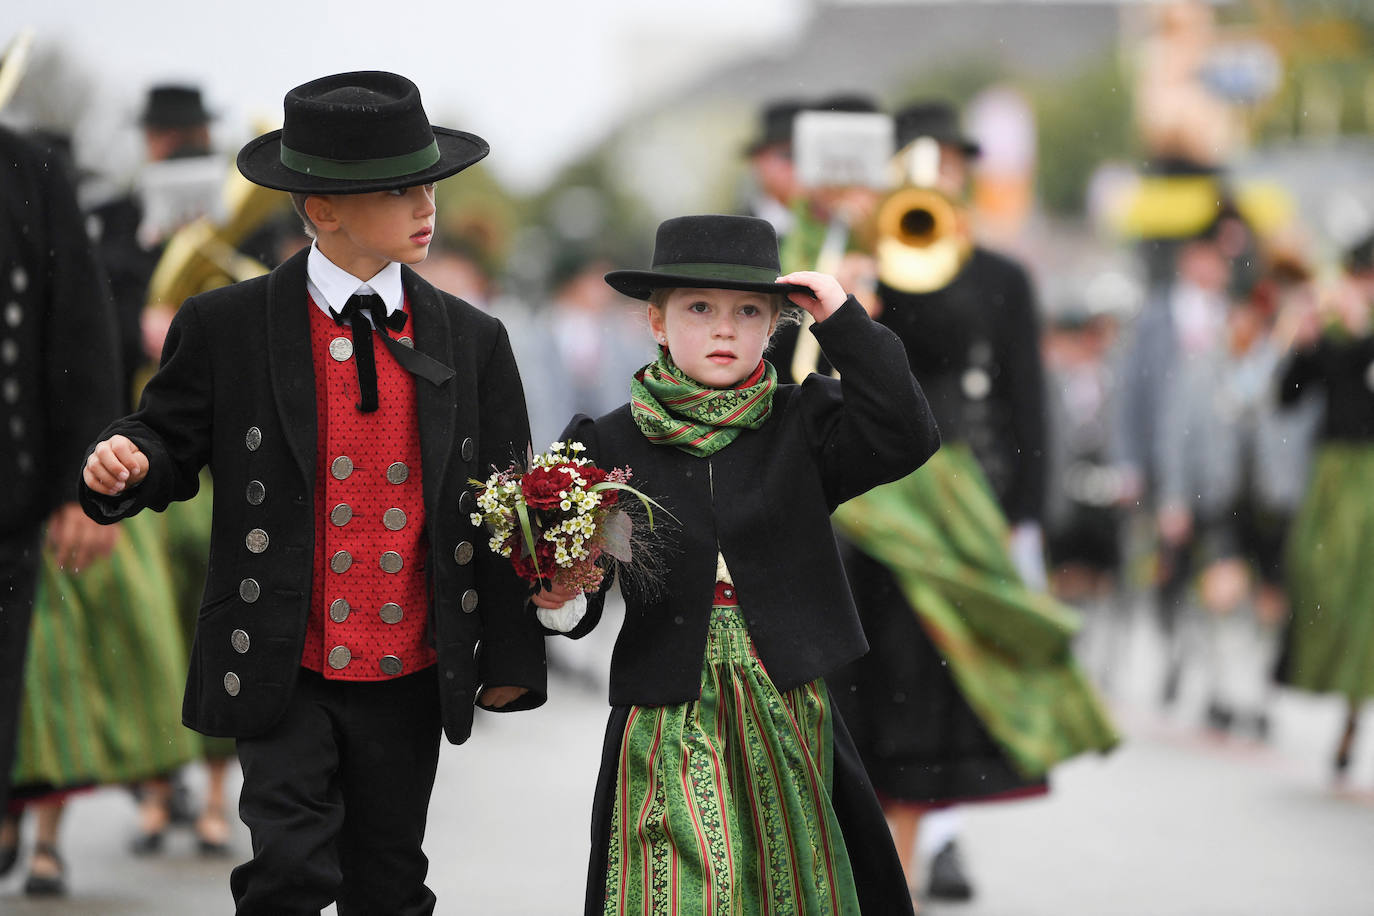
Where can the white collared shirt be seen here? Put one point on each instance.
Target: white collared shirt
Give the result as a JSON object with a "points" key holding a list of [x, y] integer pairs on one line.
{"points": [[331, 286]]}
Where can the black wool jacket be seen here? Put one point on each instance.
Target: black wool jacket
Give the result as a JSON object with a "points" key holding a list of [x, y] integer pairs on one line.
{"points": [[59, 358], [764, 502], [236, 390]]}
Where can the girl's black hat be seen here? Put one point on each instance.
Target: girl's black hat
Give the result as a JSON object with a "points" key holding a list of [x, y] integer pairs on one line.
{"points": [[709, 252], [356, 132]]}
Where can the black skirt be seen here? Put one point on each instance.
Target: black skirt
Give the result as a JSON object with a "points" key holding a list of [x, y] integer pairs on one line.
{"points": [[917, 736]]}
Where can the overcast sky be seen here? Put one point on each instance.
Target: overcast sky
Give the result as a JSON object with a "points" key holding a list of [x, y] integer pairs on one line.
{"points": [[539, 79]]}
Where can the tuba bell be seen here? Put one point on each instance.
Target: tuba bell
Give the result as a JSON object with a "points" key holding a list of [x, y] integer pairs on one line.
{"points": [[920, 236]]}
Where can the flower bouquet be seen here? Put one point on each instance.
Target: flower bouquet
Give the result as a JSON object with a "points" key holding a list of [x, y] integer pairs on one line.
{"points": [[560, 519]]}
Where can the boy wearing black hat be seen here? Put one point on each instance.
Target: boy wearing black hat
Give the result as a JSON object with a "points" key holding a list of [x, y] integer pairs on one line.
{"points": [[342, 404]]}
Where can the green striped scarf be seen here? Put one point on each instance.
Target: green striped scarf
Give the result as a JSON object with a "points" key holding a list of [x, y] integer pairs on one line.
{"points": [[672, 409]]}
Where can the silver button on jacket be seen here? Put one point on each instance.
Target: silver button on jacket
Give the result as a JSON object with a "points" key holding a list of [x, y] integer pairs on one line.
{"points": [[391, 612], [391, 562], [339, 657], [341, 561], [249, 590], [239, 640], [231, 684], [469, 601], [341, 467], [339, 610], [390, 665], [256, 540]]}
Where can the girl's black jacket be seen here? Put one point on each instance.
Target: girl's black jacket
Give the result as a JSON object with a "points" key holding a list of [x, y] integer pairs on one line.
{"points": [[764, 501]]}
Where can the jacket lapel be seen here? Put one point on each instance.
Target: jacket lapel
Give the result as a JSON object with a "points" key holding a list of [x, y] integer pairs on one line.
{"points": [[434, 403], [289, 364]]}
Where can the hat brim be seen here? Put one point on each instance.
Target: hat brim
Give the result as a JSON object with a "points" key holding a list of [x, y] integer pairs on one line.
{"points": [[260, 162], [639, 284]]}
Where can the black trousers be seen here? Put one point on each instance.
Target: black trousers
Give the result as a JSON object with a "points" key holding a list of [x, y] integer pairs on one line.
{"points": [[336, 797], [19, 557]]}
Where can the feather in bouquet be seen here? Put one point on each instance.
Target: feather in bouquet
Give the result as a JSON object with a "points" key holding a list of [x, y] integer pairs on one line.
{"points": [[560, 518]]}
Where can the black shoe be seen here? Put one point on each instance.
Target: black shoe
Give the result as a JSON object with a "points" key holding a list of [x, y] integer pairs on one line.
{"points": [[47, 885], [9, 855], [947, 878], [180, 809], [147, 844], [1219, 717]]}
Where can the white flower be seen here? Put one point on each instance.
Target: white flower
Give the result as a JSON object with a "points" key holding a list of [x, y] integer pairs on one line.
{"points": [[475, 518]]}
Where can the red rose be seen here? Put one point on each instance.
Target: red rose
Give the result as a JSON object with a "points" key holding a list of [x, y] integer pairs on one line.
{"points": [[541, 486], [524, 563]]}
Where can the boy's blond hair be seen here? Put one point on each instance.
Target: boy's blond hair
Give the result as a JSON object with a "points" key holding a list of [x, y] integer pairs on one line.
{"points": [[298, 204]]}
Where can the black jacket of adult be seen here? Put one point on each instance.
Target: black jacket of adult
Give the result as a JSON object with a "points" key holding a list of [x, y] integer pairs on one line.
{"points": [[764, 501], [975, 347], [235, 390], [59, 365]]}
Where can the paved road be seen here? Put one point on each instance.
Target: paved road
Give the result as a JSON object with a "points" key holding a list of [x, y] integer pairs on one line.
{"points": [[1175, 822]]}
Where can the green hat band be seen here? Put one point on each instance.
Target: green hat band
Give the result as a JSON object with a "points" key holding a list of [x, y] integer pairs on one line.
{"points": [[739, 272], [361, 169]]}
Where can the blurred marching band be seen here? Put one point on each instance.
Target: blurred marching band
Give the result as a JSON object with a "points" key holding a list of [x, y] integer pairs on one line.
{"points": [[1163, 400]]}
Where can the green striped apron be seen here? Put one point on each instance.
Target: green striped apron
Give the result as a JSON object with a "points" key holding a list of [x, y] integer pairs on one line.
{"points": [[722, 804]]}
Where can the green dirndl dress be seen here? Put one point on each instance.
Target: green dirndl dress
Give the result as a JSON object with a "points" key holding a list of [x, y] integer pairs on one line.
{"points": [[725, 806], [105, 671], [1008, 648], [1330, 645]]}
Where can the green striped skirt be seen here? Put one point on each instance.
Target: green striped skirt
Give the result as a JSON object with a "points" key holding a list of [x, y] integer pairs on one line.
{"points": [[106, 669], [1330, 554], [722, 806]]}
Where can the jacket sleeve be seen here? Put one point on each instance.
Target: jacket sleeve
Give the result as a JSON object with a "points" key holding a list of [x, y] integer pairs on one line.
{"points": [[873, 426], [511, 653], [172, 425]]}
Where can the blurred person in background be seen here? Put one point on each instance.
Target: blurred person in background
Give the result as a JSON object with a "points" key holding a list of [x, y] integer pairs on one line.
{"points": [[131, 229], [1330, 640], [1082, 514], [773, 175], [59, 380], [948, 563], [577, 351], [1180, 320], [1231, 469]]}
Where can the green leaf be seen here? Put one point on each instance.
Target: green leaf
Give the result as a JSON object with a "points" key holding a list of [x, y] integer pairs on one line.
{"points": [[523, 513], [648, 502]]}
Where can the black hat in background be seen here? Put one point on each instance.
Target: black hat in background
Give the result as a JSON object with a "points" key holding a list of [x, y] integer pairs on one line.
{"points": [[845, 101], [709, 252], [351, 133], [775, 125], [934, 119], [172, 106]]}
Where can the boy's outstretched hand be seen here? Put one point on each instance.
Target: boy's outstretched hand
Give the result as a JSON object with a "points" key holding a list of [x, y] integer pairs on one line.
{"points": [[829, 295], [115, 464]]}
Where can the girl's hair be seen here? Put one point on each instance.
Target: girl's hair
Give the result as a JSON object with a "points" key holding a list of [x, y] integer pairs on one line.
{"points": [[298, 204], [787, 313]]}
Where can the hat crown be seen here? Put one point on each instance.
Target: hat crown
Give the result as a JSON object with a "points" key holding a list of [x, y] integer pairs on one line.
{"points": [[716, 239], [363, 115], [174, 106], [937, 120]]}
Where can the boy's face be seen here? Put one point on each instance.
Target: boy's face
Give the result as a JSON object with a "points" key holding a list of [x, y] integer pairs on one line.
{"points": [[362, 233], [716, 336]]}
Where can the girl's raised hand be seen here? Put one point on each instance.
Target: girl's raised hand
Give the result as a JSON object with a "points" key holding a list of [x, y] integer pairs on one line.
{"points": [[829, 295]]}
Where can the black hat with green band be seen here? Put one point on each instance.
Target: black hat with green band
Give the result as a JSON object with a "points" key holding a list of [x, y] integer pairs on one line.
{"points": [[356, 132], [709, 252]]}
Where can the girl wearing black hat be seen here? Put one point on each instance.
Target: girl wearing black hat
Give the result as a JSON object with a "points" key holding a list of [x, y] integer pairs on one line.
{"points": [[727, 780]]}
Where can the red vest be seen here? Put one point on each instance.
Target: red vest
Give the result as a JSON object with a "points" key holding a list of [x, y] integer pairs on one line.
{"points": [[369, 597]]}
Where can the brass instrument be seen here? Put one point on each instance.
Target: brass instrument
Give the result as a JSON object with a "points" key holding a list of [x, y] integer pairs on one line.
{"points": [[204, 255], [12, 64], [921, 237]]}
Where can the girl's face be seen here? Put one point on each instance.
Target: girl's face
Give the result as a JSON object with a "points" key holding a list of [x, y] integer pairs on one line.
{"points": [[716, 336]]}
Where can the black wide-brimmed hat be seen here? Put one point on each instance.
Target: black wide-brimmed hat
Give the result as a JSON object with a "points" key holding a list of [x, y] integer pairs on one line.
{"points": [[355, 132], [709, 252], [937, 120], [171, 106]]}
